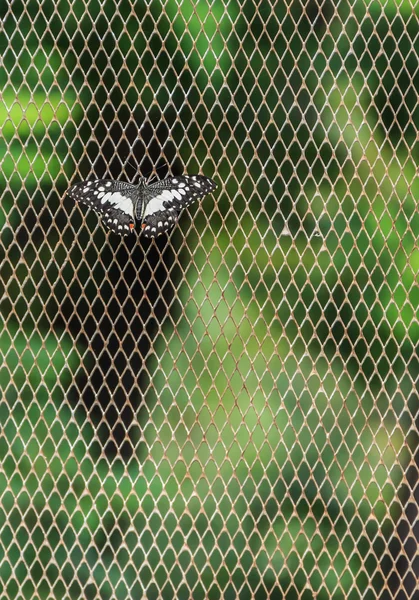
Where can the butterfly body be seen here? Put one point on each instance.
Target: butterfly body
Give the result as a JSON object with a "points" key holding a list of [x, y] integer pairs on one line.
{"points": [[156, 206]]}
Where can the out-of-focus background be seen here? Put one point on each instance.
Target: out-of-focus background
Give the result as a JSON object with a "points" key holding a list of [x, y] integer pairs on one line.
{"points": [[228, 411]]}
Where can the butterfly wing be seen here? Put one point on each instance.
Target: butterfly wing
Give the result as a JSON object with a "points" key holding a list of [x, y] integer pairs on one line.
{"points": [[113, 201], [163, 201]]}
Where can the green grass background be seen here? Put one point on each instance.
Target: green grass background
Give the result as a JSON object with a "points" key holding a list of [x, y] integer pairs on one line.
{"points": [[228, 413]]}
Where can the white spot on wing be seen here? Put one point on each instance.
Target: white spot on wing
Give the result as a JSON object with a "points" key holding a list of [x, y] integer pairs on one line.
{"points": [[105, 197], [156, 204], [121, 202]]}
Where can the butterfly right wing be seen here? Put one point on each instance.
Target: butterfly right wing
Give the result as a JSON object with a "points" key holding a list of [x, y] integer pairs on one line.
{"points": [[164, 200], [112, 200]]}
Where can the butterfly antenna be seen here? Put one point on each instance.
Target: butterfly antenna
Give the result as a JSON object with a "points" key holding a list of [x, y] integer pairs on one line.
{"points": [[153, 173], [131, 165], [161, 166]]}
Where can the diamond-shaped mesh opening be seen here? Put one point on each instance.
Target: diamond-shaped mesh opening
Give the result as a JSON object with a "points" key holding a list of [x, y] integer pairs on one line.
{"points": [[229, 411]]}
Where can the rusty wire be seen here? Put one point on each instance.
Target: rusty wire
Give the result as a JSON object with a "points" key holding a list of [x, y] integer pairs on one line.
{"points": [[228, 411]]}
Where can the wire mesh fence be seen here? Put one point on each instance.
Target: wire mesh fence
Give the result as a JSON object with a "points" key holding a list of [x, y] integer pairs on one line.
{"points": [[229, 411]]}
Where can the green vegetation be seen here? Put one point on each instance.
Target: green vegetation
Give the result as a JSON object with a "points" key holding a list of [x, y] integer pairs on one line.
{"points": [[229, 414]]}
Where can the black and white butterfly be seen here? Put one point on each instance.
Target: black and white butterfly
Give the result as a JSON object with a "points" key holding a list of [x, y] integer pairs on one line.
{"points": [[156, 206]]}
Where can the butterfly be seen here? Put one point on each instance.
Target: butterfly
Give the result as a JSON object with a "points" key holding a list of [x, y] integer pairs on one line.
{"points": [[156, 206]]}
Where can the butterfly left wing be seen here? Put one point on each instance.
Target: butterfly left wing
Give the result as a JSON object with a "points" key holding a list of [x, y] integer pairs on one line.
{"points": [[112, 200], [163, 201]]}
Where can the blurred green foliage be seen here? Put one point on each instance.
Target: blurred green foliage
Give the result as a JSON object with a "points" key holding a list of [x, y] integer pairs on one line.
{"points": [[275, 417]]}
